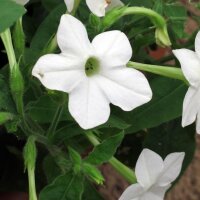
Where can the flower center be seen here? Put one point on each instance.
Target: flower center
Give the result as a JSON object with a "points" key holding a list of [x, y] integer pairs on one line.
{"points": [[92, 66]]}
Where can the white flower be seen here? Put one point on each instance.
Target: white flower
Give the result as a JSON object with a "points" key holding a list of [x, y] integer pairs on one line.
{"points": [[98, 7], [190, 64], [154, 176], [22, 2], [94, 74]]}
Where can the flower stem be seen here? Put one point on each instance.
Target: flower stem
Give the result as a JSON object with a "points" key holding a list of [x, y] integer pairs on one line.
{"points": [[170, 72], [16, 78], [7, 41], [30, 155], [55, 121], [125, 171], [31, 180]]}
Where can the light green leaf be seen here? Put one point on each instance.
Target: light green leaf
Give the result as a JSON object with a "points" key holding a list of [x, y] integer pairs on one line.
{"points": [[104, 151]]}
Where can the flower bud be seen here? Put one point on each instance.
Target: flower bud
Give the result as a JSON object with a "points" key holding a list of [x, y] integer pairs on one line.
{"points": [[93, 173], [30, 153], [17, 87], [162, 37]]}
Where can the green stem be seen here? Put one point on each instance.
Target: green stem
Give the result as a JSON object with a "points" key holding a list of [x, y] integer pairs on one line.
{"points": [[7, 41], [54, 124], [126, 172], [171, 72], [161, 34], [76, 5], [156, 18], [31, 180]]}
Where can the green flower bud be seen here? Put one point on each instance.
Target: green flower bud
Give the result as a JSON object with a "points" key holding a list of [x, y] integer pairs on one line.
{"points": [[93, 173], [5, 116], [30, 153], [17, 87], [162, 37], [76, 160]]}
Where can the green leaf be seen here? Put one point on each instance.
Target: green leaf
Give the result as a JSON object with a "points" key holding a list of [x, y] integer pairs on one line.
{"points": [[166, 105], [43, 110], [45, 32], [90, 192], [177, 16], [9, 13], [104, 151], [6, 101], [51, 169], [67, 132], [65, 187], [115, 122], [51, 4]]}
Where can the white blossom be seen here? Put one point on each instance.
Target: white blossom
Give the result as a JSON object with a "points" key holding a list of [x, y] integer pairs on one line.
{"points": [[98, 7], [154, 176], [190, 65], [94, 74]]}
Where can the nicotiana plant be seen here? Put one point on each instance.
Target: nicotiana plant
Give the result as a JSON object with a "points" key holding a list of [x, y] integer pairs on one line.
{"points": [[72, 98]]}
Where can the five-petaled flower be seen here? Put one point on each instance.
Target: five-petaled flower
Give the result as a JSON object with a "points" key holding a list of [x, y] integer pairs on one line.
{"points": [[190, 64], [98, 7], [154, 176], [94, 74]]}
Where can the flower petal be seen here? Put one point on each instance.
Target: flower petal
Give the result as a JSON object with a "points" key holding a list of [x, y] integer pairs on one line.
{"points": [[70, 5], [125, 87], [155, 193], [148, 168], [133, 192], [198, 122], [22, 2], [190, 106], [58, 72], [88, 105], [72, 37], [97, 7], [172, 168], [114, 4], [113, 47], [197, 44], [190, 64]]}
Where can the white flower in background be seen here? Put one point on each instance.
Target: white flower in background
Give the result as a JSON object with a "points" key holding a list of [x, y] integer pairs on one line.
{"points": [[94, 74], [190, 64], [98, 7], [21, 2], [154, 176]]}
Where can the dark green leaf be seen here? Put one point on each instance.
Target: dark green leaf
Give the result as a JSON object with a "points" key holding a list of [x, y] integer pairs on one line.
{"points": [[51, 169], [9, 13], [171, 137], [90, 192], [65, 187], [166, 105], [43, 110]]}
